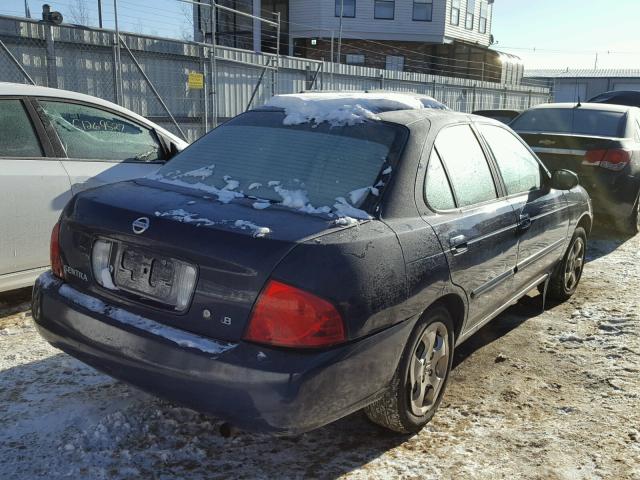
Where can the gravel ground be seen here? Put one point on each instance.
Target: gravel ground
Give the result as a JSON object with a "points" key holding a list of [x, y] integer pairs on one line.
{"points": [[551, 395]]}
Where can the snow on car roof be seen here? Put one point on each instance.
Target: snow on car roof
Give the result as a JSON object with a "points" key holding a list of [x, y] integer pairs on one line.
{"points": [[345, 108]]}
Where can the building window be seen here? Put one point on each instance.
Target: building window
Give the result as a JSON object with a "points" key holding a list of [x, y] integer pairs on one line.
{"points": [[484, 14], [355, 59], [455, 12], [471, 8], [346, 7], [384, 9], [422, 10], [395, 62]]}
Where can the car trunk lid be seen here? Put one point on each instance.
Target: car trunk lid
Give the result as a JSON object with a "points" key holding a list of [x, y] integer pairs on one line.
{"points": [[569, 151], [233, 247]]}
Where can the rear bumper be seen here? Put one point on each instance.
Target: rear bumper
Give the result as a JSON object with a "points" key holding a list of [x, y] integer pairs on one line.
{"points": [[253, 387]]}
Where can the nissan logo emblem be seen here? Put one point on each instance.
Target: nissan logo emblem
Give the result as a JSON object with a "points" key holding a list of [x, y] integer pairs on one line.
{"points": [[140, 225]]}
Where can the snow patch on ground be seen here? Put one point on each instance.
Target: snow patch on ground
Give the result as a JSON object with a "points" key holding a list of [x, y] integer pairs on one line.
{"points": [[340, 109]]}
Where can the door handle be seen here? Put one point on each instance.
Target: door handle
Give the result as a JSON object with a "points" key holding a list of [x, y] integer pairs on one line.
{"points": [[524, 222], [458, 244]]}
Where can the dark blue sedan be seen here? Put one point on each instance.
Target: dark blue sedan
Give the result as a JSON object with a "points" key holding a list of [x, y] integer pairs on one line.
{"points": [[317, 256]]}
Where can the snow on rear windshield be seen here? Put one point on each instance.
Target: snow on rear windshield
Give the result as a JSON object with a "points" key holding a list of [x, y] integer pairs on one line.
{"points": [[312, 168], [570, 120]]}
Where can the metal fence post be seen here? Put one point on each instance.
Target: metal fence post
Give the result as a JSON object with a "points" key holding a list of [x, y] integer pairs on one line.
{"points": [[277, 53], [52, 72], [214, 66], [529, 103], [473, 97], [205, 90], [120, 81], [116, 66]]}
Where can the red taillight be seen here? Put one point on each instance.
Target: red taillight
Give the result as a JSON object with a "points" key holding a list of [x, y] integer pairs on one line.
{"points": [[286, 316], [56, 258], [614, 159]]}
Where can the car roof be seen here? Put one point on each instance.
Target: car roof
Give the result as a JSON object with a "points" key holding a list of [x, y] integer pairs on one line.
{"points": [[609, 107], [24, 90]]}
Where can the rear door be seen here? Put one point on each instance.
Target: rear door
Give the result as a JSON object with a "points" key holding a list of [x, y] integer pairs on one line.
{"points": [[542, 213], [34, 188], [100, 146], [475, 224]]}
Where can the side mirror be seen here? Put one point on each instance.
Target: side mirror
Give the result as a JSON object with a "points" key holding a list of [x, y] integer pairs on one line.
{"points": [[564, 180]]}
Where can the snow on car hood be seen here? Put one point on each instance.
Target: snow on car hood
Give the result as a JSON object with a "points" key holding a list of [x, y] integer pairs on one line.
{"points": [[341, 109]]}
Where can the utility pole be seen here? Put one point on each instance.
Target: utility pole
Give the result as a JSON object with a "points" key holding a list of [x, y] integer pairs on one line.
{"points": [[595, 67], [100, 13], [340, 32]]}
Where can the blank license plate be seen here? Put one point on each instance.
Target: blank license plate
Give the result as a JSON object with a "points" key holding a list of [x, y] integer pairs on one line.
{"points": [[140, 272]]}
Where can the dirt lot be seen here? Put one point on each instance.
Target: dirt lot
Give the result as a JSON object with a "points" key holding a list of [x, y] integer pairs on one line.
{"points": [[551, 395]]}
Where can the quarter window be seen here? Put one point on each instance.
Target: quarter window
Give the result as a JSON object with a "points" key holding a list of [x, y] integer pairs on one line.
{"points": [[423, 10], [384, 9], [471, 7], [484, 15], [455, 12], [436, 187], [468, 169], [346, 8], [518, 167], [17, 137], [91, 133]]}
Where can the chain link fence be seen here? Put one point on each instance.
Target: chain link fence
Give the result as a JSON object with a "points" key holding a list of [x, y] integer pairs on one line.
{"points": [[170, 79]]}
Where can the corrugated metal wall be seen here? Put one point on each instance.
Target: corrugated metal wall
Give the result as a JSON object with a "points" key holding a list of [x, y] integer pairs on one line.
{"points": [[83, 60]]}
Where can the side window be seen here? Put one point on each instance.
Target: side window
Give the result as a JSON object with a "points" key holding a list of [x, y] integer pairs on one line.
{"points": [[637, 134], [468, 169], [520, 170], [437, 190], [91, 133], [17, 136]]}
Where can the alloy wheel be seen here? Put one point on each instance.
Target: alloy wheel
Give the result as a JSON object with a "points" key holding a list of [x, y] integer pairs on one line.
{"points": [[428, 368], [574, 264]]}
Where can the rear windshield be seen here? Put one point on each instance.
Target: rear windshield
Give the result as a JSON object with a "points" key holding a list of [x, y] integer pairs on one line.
{"points": [[310, 167], [571, 120]]}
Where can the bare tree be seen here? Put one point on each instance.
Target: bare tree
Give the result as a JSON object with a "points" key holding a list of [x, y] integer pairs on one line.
{"points": [[186, 28], [79, 12]]}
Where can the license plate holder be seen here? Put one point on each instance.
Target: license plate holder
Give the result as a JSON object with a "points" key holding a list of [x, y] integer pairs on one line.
{"points": [[142, 273]]}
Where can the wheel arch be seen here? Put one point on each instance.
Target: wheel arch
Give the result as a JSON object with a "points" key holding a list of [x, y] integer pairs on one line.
{"points": [[457, 308], [585, 222]]}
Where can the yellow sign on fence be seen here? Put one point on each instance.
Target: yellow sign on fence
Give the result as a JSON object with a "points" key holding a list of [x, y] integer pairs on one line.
{"points": [[196, 81]]}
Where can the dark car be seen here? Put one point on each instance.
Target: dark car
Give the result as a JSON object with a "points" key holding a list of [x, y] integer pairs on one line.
{"points": [[502, 115], [630, 98], [282, 273], [601, 143]]}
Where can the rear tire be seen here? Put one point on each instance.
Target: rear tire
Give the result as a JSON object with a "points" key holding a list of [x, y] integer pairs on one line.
{"points": [[420, 380], [567, 274]]}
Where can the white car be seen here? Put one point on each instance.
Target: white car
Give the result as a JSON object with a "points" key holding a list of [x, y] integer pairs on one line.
{"points": [[53, 144]]}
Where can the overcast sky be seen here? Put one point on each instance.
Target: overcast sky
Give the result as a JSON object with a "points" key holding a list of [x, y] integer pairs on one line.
{"points": [[564, 33]]}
